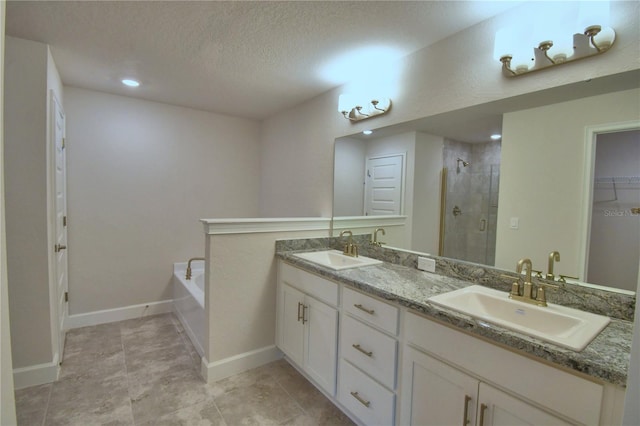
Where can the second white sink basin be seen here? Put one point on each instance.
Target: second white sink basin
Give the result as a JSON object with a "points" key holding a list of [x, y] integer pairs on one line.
{"points": [[566, 327], [335, 260]]}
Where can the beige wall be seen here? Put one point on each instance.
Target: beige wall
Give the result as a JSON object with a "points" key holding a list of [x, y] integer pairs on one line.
{"points": [[454, 73], [426, 205], [7, 400], [29, 73], [348, 184], [140, 176], [542, 178]]}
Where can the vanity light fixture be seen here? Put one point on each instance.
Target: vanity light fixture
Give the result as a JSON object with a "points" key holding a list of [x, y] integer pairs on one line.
{"points": [[354, 109], [526, 49], [130, 82]]}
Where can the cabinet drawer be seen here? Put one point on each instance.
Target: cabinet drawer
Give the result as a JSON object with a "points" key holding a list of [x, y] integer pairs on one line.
{"points": [[322, 289], [364, 397], [370, 350], [371, 310]]}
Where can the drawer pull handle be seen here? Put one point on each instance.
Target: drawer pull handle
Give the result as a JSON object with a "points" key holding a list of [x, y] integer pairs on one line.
{"points": [[304, 311], [465, 419], [360, 400], [358, 348], [362, 308], [483, 408], [300, 316]]}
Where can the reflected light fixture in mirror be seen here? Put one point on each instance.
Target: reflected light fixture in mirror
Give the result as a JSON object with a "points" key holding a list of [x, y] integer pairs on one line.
{"points": [[546, 39], [359, 108]]}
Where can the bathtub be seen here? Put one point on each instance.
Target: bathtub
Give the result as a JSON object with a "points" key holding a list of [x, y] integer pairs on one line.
{"points": [[188, 301]]}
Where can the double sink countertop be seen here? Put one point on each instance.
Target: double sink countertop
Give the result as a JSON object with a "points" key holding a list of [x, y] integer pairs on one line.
{"points": [[605, 358]]}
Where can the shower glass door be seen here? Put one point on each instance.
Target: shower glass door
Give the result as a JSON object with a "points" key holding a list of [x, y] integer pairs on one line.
{"points": [[470, 214]]}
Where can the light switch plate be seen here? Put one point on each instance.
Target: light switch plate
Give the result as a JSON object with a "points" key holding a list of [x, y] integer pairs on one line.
{"points": [[514, 223], [426, 264]]}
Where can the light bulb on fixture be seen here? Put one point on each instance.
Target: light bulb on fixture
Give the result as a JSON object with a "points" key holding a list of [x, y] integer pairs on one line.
{"points": [[604, 38], [367, 132]]}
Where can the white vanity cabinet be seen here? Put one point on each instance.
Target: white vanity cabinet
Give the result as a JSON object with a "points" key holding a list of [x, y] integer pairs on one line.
{"points": [[384, 364], [449, 377], [368, 358], [307, 323], [438, 394]]}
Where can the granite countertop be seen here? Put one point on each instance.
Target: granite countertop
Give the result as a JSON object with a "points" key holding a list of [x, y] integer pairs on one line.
{"points": [[605, 358]]}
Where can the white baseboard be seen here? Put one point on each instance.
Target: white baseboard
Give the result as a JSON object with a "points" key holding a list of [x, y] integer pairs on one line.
{"points": [[238, 363], [119, 314], [36, 374]]}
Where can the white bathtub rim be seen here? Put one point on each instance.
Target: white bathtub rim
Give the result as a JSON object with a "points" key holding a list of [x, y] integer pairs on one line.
{"points": [[190, 285], [187, 328]]}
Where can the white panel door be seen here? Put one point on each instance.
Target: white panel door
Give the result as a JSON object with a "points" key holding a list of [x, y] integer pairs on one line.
{"points": [[321, 343], [436, 394], [384, 185], [60, 229], [500, 409], [292, 339]]}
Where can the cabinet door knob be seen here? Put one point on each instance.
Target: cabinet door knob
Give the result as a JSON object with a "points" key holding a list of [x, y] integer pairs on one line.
{"points": [[59, 247]]}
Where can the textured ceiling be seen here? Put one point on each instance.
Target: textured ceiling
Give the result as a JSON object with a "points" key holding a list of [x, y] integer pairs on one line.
{"points": [[247, 59]]}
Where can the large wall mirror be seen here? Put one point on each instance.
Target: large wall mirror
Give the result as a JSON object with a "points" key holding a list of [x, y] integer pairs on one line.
{"points": [[562, 178]]}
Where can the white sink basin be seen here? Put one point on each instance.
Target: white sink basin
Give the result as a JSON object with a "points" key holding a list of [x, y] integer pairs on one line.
{"points": [[335, 260], [566, 327]]}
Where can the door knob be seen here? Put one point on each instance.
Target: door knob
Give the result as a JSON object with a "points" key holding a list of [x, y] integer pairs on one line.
{"points": [[60, 247]]}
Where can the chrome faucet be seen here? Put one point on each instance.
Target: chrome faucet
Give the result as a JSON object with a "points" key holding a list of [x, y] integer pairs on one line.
{"points": [[554, 255], [350, 249], [375, 241], [188, 276], [527, 287]]}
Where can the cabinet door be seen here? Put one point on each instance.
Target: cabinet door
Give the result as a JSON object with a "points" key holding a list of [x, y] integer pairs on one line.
{"points": [[292, 327], [434, 393], [498, 408], [321, 343]]}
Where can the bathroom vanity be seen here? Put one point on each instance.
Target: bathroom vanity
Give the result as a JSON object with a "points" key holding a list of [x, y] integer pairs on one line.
{"points": [[369, 338]]}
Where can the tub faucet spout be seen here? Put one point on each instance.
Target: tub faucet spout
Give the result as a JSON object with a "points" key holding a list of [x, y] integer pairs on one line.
{"points": [[188, 276]]}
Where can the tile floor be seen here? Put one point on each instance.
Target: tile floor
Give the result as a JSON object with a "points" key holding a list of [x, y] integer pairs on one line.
{"points": [[145, 372]]}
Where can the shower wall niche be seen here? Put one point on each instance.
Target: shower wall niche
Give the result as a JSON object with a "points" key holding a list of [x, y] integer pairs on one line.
{"points": [[471, 205]]}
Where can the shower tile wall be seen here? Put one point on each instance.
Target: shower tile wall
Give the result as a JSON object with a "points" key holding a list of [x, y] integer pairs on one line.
{"points": [[474, 189]]}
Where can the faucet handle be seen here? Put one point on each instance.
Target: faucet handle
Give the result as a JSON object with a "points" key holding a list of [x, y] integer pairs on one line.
{"points": [[538, 273], [541, 295], [563, 278]]}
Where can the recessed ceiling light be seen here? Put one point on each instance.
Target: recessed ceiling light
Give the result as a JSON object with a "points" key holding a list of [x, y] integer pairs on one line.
{"points": [[367, 132], [496, 137], [131, 83]]}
